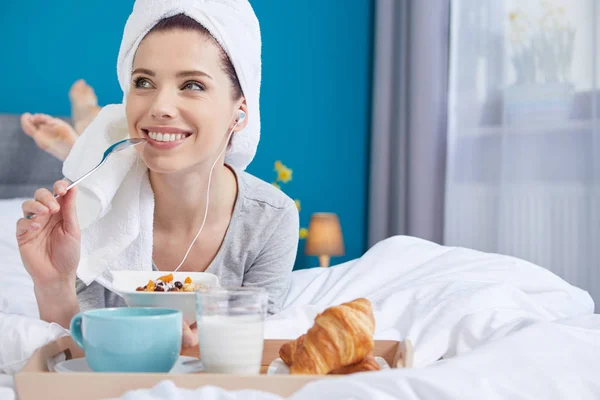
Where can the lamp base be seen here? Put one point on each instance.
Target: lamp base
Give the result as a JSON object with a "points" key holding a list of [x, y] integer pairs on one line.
{"points": [[323, 261]]}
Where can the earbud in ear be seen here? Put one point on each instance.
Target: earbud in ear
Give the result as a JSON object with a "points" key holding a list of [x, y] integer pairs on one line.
{"points": [[241, 116]]}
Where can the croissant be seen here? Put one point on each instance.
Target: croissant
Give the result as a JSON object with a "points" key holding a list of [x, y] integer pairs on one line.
{"points": [[341, 336], [287, 351], [367, 364]]}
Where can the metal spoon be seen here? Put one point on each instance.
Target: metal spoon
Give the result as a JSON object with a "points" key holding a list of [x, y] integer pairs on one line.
{"points": [[115, 148]]}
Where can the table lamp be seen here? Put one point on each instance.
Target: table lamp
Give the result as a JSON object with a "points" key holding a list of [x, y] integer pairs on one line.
{"points": [[324, 237]]}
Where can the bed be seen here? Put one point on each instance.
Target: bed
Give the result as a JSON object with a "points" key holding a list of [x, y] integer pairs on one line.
{"points": [[23, 168], [482, 325]]}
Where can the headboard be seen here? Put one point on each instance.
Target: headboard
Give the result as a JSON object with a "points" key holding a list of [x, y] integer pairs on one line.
{"points": [[23, 166]]}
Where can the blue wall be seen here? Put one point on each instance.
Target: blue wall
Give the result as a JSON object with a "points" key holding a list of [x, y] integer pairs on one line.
{"points": [[315, 95]]}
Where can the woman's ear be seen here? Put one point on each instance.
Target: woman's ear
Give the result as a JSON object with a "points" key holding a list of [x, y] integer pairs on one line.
{"points": [[244, 122]]}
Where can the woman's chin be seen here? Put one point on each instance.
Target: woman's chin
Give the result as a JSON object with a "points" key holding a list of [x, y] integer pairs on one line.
{"points": [[163, 165]]}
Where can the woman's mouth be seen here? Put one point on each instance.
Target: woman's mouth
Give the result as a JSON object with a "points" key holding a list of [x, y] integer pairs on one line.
{"points": [[165, 138]]}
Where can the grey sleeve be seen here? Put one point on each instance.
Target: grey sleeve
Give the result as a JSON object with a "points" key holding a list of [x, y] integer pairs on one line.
{"points": [[95, 296], [272, 268]]}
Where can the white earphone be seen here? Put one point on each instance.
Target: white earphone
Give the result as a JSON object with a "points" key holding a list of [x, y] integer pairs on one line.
{"points": [[241, 117]]}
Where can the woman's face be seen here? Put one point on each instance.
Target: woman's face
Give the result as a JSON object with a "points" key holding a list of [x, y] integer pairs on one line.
{"points": [[180, 101]]}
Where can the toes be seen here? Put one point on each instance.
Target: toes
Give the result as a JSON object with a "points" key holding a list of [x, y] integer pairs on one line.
{"points": [[27, 124], [59, 130], [82, 94], [52, 122], [26, 118], [77, 85], [38, 119], [79, 88]]}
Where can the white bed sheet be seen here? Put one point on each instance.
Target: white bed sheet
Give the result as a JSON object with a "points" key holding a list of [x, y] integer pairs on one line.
{"points": [[8, 216], [506, 328], [16, 282], [446, 300], [7, 387]]}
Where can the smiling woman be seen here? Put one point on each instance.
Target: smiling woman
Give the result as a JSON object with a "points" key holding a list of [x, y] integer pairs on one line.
{"points": [[184, 95], [190, 80]]}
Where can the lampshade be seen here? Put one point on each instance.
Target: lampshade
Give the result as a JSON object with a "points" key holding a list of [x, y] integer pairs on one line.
{"points": [[324, 235]]}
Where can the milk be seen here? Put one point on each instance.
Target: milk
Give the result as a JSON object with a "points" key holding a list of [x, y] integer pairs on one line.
{"points": [[231, 344]]}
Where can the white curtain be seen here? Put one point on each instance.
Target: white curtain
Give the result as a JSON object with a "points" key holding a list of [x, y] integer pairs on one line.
{"points": [[523, 160]]}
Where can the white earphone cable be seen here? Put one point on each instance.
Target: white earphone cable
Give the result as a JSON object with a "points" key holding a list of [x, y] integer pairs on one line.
{"points": [[208, 194]]}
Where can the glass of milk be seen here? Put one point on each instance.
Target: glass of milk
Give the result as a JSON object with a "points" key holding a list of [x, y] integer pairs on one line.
{"points": [[230, 329]]}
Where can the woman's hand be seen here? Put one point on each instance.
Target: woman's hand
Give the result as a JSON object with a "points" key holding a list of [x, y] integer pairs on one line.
{"points": [[50, 242], [50, 246], [190, 335]]}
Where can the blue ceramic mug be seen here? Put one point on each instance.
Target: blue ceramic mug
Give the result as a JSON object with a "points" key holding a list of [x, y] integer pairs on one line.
{"points": [[129, 339]]}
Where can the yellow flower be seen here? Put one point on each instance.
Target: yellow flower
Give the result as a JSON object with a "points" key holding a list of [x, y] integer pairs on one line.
{"points": [[284, 174], [278, 165], [297, 204], [303, 233], [276, 185]]}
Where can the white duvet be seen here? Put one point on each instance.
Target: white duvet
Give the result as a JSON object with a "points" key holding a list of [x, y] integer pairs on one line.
{"points": [[505, 328]]}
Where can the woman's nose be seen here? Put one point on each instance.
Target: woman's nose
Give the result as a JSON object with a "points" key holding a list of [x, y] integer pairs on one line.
{"points": [[164, 106]]}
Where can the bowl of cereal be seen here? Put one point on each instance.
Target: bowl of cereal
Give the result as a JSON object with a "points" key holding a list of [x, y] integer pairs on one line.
{"points": [[163, 289]]}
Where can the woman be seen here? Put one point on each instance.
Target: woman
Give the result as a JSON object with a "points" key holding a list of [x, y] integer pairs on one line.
{"points": [[185, 99]]}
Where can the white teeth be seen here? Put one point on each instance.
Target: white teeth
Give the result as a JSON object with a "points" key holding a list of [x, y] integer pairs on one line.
{"points": [[165, 137]]}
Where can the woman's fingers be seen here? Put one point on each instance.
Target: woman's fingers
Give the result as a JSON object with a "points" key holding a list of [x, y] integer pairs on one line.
{"points": [[25, 229], [46, 198], [190, 337], [69, 213], [60, 187], [46, 204], [34, 207]]}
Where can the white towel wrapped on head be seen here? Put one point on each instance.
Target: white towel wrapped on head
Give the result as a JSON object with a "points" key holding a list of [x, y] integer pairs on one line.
{"points": [[116, 204], [235, 27]]}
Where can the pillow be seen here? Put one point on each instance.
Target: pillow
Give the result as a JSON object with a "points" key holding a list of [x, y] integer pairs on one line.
{"points": [[16, 286]]}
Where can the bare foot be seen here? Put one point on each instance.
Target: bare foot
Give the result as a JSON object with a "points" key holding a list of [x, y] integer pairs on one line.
{"points": [[50, 134], [84, 105]]}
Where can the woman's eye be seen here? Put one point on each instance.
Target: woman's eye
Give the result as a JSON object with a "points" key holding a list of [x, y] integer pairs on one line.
{"points": [[142, 83], [193, 86]]}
